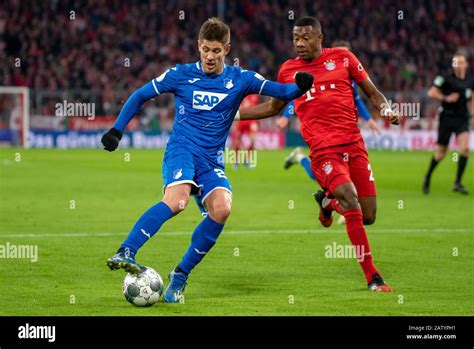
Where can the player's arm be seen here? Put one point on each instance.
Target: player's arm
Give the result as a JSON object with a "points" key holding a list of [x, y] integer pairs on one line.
{"points": [[435, 92], [166, 82], [280, 93], [112, 137], [360, 76], [269, 108], [363, 111], [378, 100]]}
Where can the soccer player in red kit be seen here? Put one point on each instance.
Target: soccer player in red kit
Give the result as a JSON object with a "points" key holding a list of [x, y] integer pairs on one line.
{"points": [[248, 127], [328, 119]]}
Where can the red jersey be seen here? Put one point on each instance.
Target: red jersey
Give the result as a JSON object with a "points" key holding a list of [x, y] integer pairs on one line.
{"points": [[248, 102], [327, 111]]}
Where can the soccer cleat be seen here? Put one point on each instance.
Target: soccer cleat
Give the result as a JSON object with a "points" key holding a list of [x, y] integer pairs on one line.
{"points": [[378, 285], [325, 216], [120, 260], [175, 289], [293, 158], [459, 188], [426, 186]]}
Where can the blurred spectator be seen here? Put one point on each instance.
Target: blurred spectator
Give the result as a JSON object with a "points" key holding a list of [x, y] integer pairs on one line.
{"points": [[107, 46]]}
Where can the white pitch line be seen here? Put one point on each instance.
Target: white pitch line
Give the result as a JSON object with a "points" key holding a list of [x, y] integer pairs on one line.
{"points": [[246, 232]]}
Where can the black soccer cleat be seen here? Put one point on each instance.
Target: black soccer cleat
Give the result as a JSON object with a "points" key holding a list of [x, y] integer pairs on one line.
{"points": [[426, 186], [325, 216], [378, 285], [459, 188]]}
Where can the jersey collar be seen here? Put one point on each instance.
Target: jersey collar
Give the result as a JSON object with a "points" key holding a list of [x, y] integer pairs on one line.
{"points": [[199, 67]]}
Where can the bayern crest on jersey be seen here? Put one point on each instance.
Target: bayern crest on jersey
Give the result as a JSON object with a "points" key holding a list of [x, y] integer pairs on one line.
{"points": [[330, 65], [327, 168]]}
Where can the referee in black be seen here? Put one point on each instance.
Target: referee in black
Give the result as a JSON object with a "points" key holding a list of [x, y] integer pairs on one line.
{"points": [[455, 93]]}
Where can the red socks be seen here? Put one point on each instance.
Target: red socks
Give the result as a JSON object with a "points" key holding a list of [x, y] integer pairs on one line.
{"points": [[334, 205], [358, 237]]}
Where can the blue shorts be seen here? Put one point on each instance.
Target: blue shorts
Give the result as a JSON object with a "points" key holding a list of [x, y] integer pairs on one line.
{"points": [[181, 166]]}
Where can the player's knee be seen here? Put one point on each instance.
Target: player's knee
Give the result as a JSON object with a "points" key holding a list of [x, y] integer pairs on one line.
{"points": [[348, 200], [220, 212], [219, 209], [440, 154], [369, 218], [177, 203], [464, 151]]}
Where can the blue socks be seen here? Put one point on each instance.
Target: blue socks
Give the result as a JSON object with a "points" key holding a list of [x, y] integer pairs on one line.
{"points": [[204, 237], [307, 166], [147, 226]]}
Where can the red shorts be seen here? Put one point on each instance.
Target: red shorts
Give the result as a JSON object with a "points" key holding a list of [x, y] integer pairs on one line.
{"points": [[341, 164], [247, 126]]}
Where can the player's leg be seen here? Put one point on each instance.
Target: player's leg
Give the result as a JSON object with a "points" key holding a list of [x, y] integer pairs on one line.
{"points": [[444, 134], [367, 200], [253, 129], [174, 201], [178, 174], [216, 198], [346, 194], [298, 157], [363, 178], [463, 141], [236, 143], [440, 153], [333, 172], [369, 209]]}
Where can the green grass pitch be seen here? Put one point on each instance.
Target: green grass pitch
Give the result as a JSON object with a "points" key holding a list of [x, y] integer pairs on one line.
{"points": [[270, 259]]}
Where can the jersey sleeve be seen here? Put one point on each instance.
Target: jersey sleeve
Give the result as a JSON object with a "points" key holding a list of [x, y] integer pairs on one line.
{"points": [[289, 110], [439, 82], [254, 82], [356, 70], [167, 82]]}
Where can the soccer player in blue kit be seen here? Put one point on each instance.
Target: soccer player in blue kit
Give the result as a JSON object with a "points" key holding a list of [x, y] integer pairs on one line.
{"points": [[207, 96]]}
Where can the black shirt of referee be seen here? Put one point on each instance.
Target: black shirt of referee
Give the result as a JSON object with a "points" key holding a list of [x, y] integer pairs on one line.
{"points": [[454, 117]]}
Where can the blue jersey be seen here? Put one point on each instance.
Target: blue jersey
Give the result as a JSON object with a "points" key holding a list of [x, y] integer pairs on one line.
{"points": [[205, 103]]}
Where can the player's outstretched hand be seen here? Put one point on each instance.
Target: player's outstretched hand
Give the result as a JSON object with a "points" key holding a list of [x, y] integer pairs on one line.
{"points": [[304, 81], [394, 118], [111, 139]]}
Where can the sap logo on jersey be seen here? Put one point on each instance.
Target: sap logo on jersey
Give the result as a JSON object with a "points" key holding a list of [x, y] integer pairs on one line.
{"points": [[207, 100]]}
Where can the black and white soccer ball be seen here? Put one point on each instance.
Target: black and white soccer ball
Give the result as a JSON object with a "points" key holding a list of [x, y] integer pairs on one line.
{"points": [[143, 289]]}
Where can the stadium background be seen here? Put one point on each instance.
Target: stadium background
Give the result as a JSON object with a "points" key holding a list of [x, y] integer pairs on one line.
{"points": [[100, 51], [77, 205]]}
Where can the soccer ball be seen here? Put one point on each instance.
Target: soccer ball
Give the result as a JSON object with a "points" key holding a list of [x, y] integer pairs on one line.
{"points": [[144, 289]]}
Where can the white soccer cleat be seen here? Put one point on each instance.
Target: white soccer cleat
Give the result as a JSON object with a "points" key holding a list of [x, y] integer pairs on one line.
{"points": [[341, 220], [294, 158]]}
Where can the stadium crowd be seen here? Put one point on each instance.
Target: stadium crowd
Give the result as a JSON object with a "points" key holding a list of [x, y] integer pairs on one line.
{"points": [[106, 46]]}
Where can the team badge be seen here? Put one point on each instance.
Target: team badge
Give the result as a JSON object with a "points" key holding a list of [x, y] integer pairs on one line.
{"points": [[228, 83], [330, 65], [327, 168]]}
